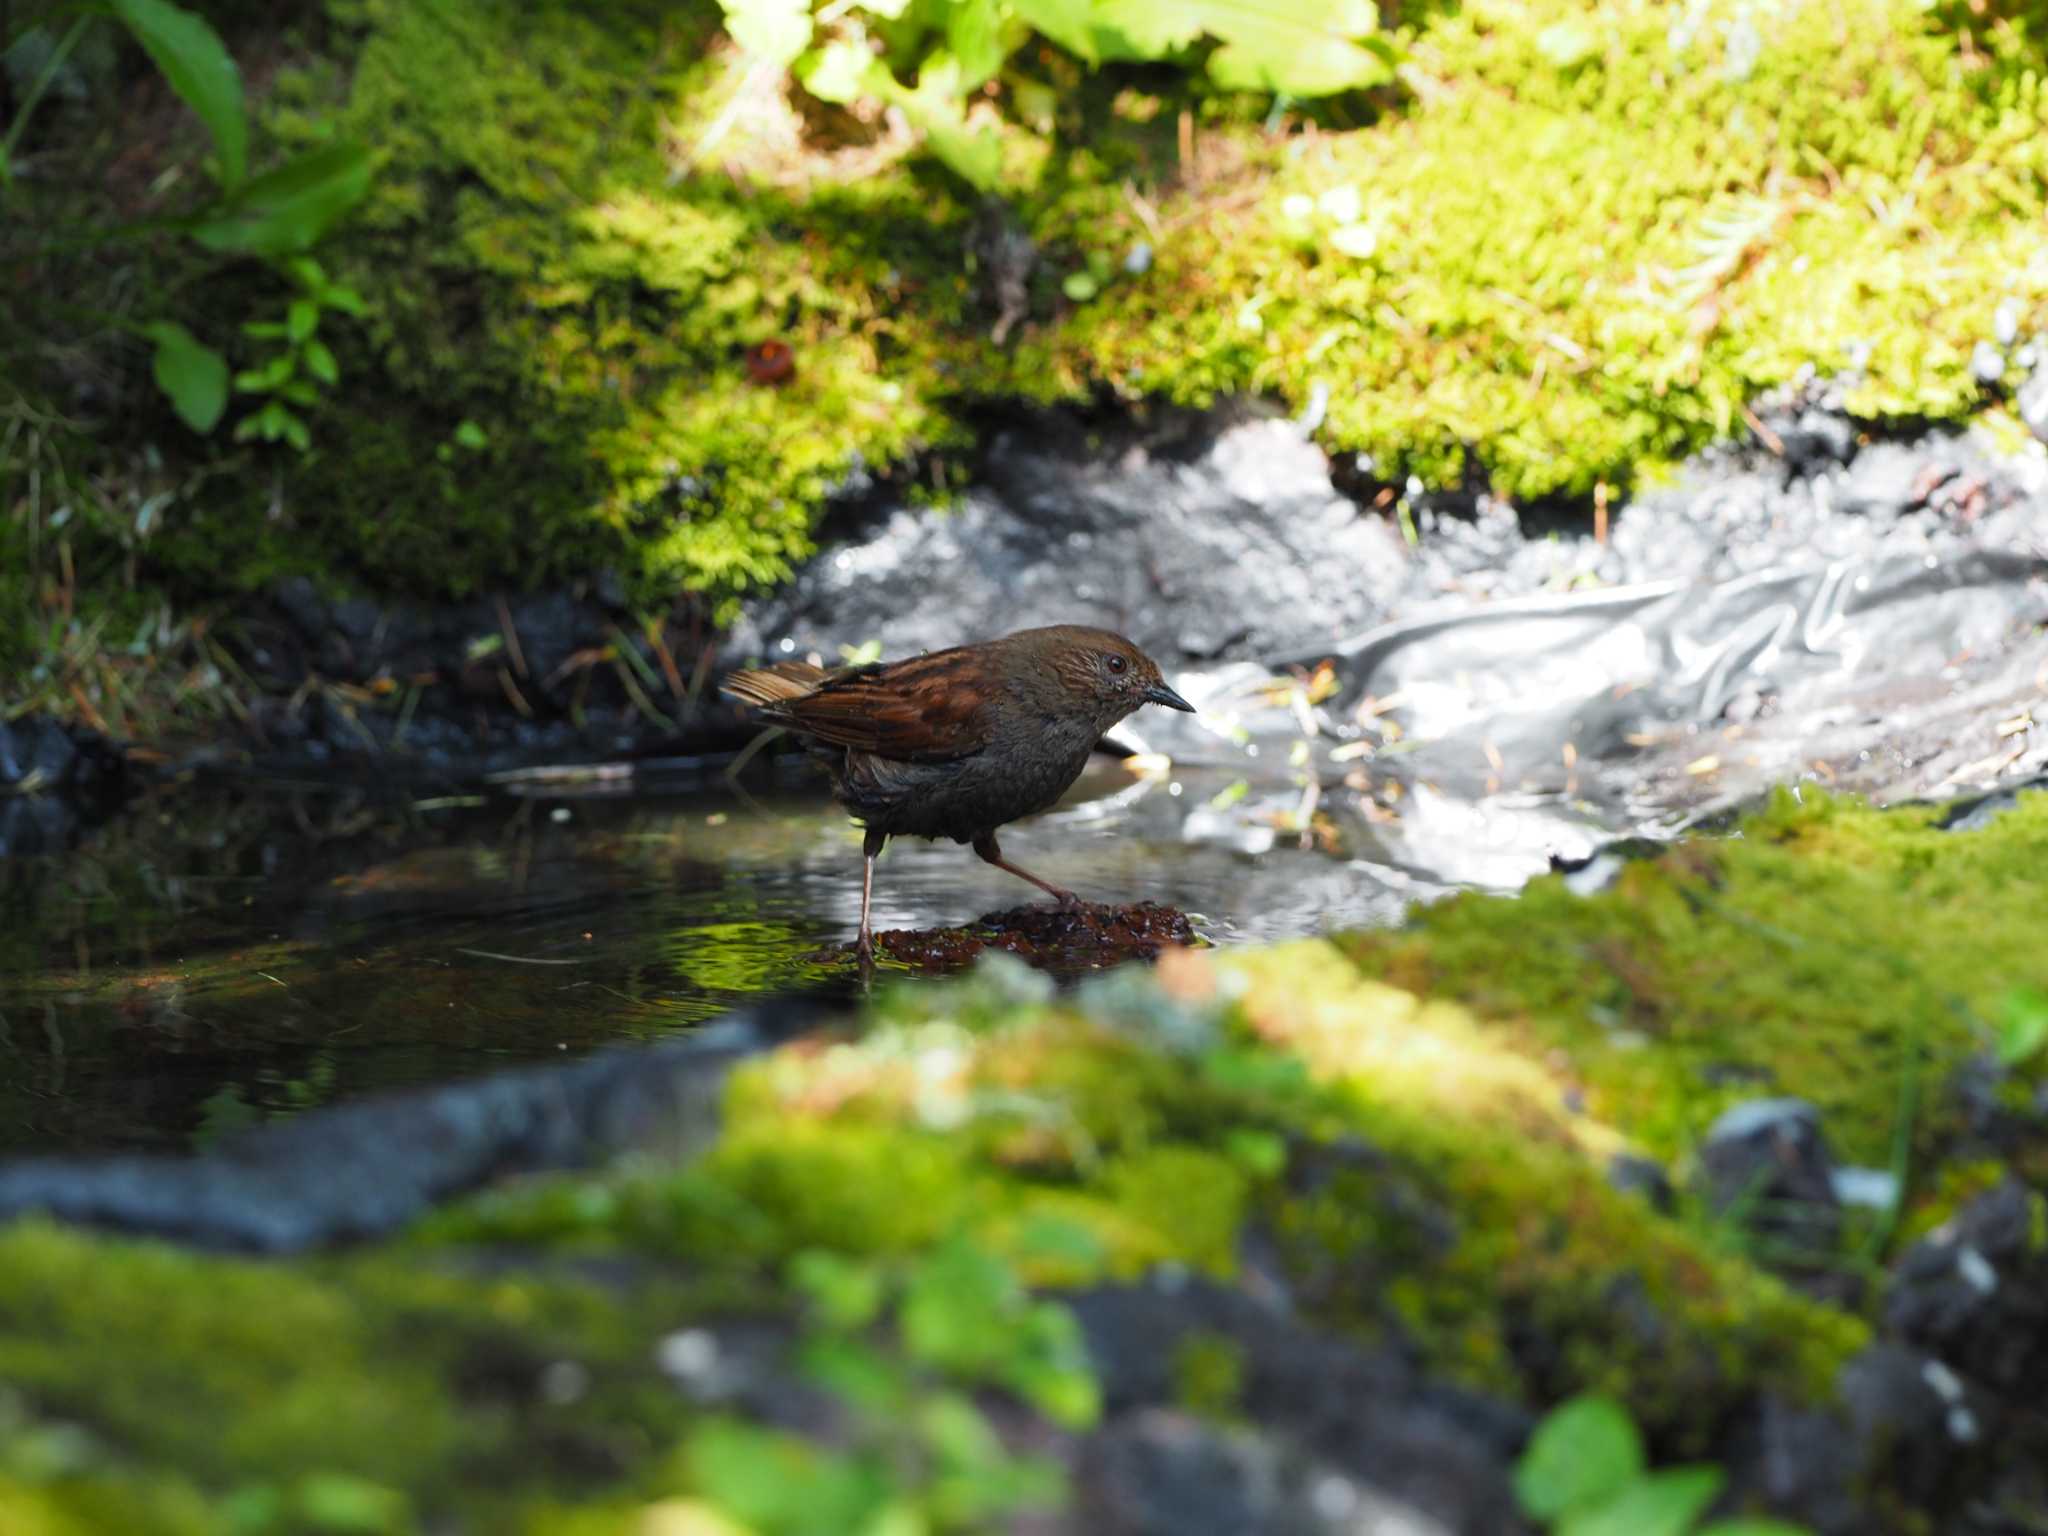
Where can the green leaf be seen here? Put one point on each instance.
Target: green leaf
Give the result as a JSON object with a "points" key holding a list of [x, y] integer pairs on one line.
{"points": [[958, 1309], [345, 299], [846, 1292], [773, 32], [302, 319], [838, 72], [974, 31], [1661, 1504], [776, 1483], [320, 363], [471, 436], [935, 108], [1070, 23], [349, 1506], [264, 330], [2023, 1029], [291, 207], [1585, 1451], [1080, 287], [191, 374], [1305, 48], [200, 69]]}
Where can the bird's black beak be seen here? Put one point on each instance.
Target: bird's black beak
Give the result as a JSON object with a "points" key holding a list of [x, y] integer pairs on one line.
{"points": [[1159, 693]]}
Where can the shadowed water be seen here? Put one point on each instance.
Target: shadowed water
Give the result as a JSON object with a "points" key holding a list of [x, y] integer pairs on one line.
{"points": [[239, 953]]}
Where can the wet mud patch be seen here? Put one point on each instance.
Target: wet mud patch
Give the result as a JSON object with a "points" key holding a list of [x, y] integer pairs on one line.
{"points": [[1063, 940]]}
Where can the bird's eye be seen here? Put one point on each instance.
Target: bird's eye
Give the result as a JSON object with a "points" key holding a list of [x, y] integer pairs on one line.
{"points": [[1117, 664]]}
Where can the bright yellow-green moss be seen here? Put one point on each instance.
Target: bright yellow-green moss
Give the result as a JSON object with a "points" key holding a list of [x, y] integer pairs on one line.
{"points": [[1581, 235], [1845, 955], [179, 1383], [1597, 230]]}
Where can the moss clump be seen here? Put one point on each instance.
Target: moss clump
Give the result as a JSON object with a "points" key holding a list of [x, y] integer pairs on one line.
{"points": [[1464, 1224], [1586, 234], [1597, 231], [1850, 956], [199, 1393]]}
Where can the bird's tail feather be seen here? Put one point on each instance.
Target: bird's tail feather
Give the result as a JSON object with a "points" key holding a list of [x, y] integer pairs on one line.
{"points": [[765, 687]]}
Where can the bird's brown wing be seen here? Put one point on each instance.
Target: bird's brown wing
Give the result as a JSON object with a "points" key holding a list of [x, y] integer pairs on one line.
{"points": [[927, 709], [770, 687]]}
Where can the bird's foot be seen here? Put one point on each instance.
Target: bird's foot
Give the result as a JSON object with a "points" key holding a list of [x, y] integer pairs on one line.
{"points": [[1067, 900]]}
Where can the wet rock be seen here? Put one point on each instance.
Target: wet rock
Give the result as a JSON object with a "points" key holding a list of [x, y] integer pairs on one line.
{"points": [[55, 780], [1801, 1463], [1642, 1176], [2032, 401], [1767, 1160], [1975, 1291], [1060, 939], [1430, 1458], [1200, 536], [1909, 1416], [362, 1170], [1987, 363]]}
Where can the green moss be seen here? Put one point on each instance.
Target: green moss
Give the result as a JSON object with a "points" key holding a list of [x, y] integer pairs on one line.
{"points": [[195, 1381], [1849, 956], [1595, 234], [1208, 1374], [1586, 234]]}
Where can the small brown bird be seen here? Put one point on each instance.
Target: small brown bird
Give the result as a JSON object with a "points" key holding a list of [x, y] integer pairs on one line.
{"points": [[957, 743]]}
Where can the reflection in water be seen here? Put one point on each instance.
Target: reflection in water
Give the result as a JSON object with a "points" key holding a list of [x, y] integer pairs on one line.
{"points": [[225, 958]]}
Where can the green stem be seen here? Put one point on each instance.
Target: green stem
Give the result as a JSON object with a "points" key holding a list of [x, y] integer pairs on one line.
{"points": [[29, 102]]}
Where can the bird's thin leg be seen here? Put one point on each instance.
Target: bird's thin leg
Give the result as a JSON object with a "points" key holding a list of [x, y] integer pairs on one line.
{"points": [[870, 849], [985, 846]]}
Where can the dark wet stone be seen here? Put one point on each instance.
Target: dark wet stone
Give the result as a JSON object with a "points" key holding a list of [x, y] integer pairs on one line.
{"points": [[1813, 437], [1642, 1176], [1801, 1464], [1055, 938], [1975, 1291], [1911, 1419], [362, 1170], [1162, 1473], [1221, 530], [55, 780], [1401, 1443], [1768, 1161]]}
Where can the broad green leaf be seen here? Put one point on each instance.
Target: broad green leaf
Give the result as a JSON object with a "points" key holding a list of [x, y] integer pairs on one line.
{"points": [[936, 110], [1321, 70], [1303, 48], [1070, 23], [2024, 1028], [974, 31], [320, 363], [1661, 1504], [775, 1482], [302, 319], [200, 69], [191, 374], [291, 207], [838, 72], [1585, 1451], [771, 31]]}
